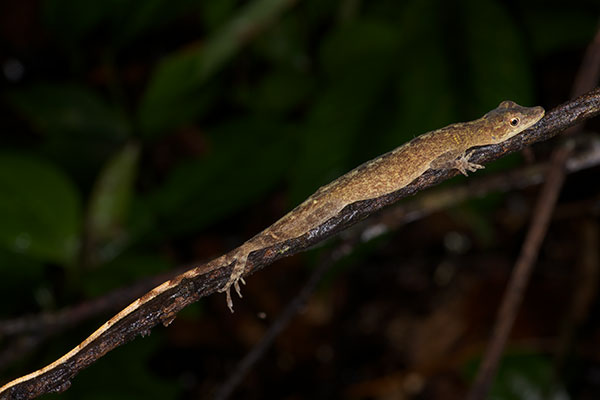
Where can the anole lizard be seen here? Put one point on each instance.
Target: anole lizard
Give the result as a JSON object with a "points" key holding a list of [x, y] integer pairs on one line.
{"points": [[444, 148]]}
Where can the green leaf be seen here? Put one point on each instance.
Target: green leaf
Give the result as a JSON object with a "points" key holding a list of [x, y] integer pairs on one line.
{"points": [[39, 209], [79, 130], [111, 195], [523, 376], [172, 94], [69, 110], [287, 45]]}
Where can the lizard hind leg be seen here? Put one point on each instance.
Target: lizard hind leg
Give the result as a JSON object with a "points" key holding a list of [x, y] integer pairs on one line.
{"points": [[235, 277]]}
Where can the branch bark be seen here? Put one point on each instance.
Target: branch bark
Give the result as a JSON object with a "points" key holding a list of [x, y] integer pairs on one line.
{"points": [[184, 290]]}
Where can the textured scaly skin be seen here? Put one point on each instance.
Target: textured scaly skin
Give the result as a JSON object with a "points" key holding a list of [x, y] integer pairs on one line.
{"points": [[443, 148]]}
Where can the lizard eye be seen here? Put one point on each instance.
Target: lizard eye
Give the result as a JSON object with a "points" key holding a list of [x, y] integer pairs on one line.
{"points": [[514, 121]]}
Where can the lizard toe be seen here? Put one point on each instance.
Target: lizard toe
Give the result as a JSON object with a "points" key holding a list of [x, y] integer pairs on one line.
{"points": [[236, 284], [229, 301]]}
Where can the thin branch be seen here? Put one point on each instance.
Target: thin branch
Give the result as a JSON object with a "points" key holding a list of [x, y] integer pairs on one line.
{"points": [[588, 268], [587, 78], [519, 278], [589, 71], [243, 367], [56, 322], [183, 290], [39, 328], [391, 219], [36, 329], [586, 289], [587, 155]]}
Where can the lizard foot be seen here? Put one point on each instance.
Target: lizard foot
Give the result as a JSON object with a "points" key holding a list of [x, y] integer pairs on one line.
{"points": [[463, 164], [234, 280]]}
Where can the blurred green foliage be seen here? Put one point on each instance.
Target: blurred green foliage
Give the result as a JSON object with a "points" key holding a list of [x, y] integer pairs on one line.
{"points": [[523, 375], [281, 93], [165, 118], [40, 210]]}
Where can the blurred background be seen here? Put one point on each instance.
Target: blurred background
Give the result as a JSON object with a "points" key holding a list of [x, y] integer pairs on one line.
{"points": [[140, 136]]}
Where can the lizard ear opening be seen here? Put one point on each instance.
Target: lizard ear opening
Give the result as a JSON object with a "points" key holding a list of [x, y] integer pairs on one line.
{"points": [[507, 104]]}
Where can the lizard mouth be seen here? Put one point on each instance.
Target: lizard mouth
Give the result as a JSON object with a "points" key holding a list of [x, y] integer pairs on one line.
{"points": [[539, 114], [533, 119]]}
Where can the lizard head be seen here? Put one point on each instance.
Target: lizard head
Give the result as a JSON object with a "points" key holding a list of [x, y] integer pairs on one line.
{"points": [[509, 119]]}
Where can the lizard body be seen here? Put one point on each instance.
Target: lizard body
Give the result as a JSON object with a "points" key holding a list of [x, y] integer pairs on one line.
{"points": [[443, 148]]}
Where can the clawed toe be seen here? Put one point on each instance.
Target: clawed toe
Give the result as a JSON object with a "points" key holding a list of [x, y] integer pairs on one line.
{"points": [[229, 301], [234, 279], [463, 164], [236, 285], [474, 167]]}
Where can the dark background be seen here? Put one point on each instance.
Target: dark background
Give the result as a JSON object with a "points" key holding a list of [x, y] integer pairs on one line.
{"points": [[138, 136]]}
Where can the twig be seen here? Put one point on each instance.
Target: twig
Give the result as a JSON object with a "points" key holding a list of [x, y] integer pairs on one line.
{"points": [[241, 370], [587, 155], [586, 289], [519, 278], [52, 323], [16, 348], [393, 218], [162, 306], [401, 214], [35, 329], [589, 71], [587, 78], [39, 328], [587, 269]]}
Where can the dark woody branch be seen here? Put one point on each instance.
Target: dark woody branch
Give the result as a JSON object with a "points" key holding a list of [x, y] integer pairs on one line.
{"points": [[163, 307]]}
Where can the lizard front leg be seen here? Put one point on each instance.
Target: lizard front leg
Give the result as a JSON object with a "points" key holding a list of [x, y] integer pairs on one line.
{"points": [[455, 160], [463, 164]]}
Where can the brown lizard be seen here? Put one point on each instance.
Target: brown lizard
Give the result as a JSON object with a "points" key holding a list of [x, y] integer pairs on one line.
{"points": [[444, 148]]}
